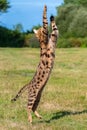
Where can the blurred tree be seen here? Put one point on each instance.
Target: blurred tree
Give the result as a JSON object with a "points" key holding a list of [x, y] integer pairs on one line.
{"points": [[78, 2], [72, 18], [83, 3], [78, 26], [4, 5], [71, 1], [18, 27], [65, 15]]}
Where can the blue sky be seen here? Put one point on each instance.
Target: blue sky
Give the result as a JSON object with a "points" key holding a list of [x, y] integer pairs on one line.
{"points": [[28, 12]]}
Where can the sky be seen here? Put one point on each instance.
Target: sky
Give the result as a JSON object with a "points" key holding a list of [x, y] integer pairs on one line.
{"points": [[28, 12]]}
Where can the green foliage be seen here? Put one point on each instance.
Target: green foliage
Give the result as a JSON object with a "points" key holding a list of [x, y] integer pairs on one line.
{"points": [[70, 1], [72, 18], [84, 42], [63, 43], [83, 3], [65, 16], [71, 42], [4, 5], [31, 41], [78, 26], [78, 2], [9, 38], [75, 42]]}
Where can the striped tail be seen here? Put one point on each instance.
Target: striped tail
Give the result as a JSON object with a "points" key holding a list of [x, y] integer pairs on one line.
{"points": [[20, 92]]}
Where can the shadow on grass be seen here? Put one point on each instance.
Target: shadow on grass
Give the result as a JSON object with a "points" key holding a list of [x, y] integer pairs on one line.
{"points": [[58, 115]]}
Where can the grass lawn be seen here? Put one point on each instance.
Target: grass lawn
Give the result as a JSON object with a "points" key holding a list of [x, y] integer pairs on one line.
{"points": [[64, 101]]}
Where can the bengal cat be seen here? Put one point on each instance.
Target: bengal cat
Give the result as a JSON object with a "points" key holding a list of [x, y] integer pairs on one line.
{"points": [[47, 56]]}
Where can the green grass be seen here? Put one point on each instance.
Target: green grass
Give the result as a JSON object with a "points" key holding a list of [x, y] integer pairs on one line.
{"points": [[64, 101]]}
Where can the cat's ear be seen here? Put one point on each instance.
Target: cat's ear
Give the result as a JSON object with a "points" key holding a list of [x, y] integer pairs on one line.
{"points": [[35, 31]]}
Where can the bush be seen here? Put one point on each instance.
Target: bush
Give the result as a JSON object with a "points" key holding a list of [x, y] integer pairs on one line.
{"points": [[75, 42], [31, 41], [84, 42], [63, 43], [71, 42]]}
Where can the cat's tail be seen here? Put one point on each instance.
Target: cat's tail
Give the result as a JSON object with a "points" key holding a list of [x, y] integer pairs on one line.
{"points": [[20, 92]]}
